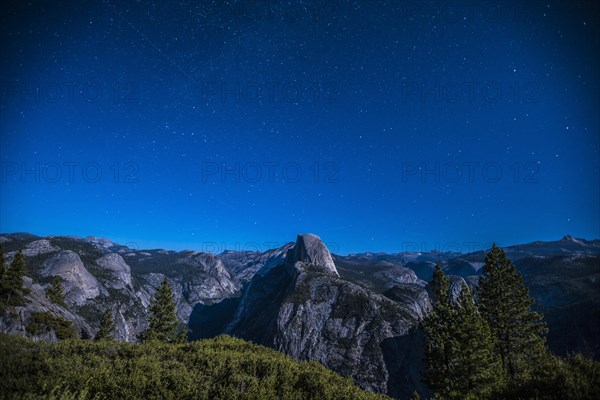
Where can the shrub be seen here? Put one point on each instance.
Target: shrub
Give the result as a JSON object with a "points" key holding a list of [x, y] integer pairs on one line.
{"points": [[219, 368], [44, 322]]}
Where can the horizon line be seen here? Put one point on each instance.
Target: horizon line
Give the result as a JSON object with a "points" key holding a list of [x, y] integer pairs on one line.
{"points": [[216, 248]]}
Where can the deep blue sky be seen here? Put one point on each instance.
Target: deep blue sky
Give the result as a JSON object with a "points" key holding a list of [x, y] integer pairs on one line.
{"points": [[171, 94]]}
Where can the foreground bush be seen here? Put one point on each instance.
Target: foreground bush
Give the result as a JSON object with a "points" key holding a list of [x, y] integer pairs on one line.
{"points": [[573, 378], [220, 368]]}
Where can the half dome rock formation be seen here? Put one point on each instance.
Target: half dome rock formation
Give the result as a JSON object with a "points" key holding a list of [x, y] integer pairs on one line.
{"points": [[79, 284], [303, 308], [310, 249]]}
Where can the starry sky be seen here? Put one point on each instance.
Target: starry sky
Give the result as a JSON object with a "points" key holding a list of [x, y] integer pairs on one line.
{"points": [[380, 126]]}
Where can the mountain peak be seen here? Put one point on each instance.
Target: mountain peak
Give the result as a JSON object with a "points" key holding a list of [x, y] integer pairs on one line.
{"points": [[571, 239], [310, 248]]}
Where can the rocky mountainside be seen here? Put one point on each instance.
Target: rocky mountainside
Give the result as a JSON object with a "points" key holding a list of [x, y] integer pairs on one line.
{"points": [[563, 277], [245, 264], [303, 308], [355, 314], [98, 274]]}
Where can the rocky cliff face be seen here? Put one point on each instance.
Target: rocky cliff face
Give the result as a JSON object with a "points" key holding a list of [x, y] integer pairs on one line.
{"points": [[245, 264], [78, 283], [39, 302], [342, 325], [121, 272], [303, 308], [210, 280], [98, 274]]}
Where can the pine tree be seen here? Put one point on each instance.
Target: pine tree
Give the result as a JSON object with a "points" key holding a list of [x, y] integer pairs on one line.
{"points": [[163, 325], [13, 281], [56, 292], [478, 368], [107, 327], [459, 347], [440, 344], [505, 303]]}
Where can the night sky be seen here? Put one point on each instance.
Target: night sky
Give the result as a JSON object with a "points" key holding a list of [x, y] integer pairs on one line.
{"points": [[379, 126]]}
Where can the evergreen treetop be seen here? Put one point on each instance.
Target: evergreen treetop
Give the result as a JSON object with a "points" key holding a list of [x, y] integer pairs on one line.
{"points": [[439, 337], [478, 369], [107, 326], [163, 324], [12, 282], [459, 348], [56, 292], [505, 303]]}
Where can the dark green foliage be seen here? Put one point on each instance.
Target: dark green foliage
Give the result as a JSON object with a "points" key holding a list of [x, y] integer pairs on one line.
{"points": [[300, 294], [477, 367], [505, 303], [35, 267], [470, 350], [86, 251], [99, 272], [107, 326], [12, 290], [163, 324], [18, 241], [44, 322], [459, 348], [415, 396], [55, 291], [220, 368], [574, 378], [90, 311], [440, 346], [351, 304]]}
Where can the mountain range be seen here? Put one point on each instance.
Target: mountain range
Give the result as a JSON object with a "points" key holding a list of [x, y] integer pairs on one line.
{"points": [[356, 314]]}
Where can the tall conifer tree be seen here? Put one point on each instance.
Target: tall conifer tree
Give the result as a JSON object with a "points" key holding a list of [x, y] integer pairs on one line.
{"points": [[13, 281], [505, 303], [459, 348], [107, 326], [440, 344], [478, 369], [163, 324]]}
